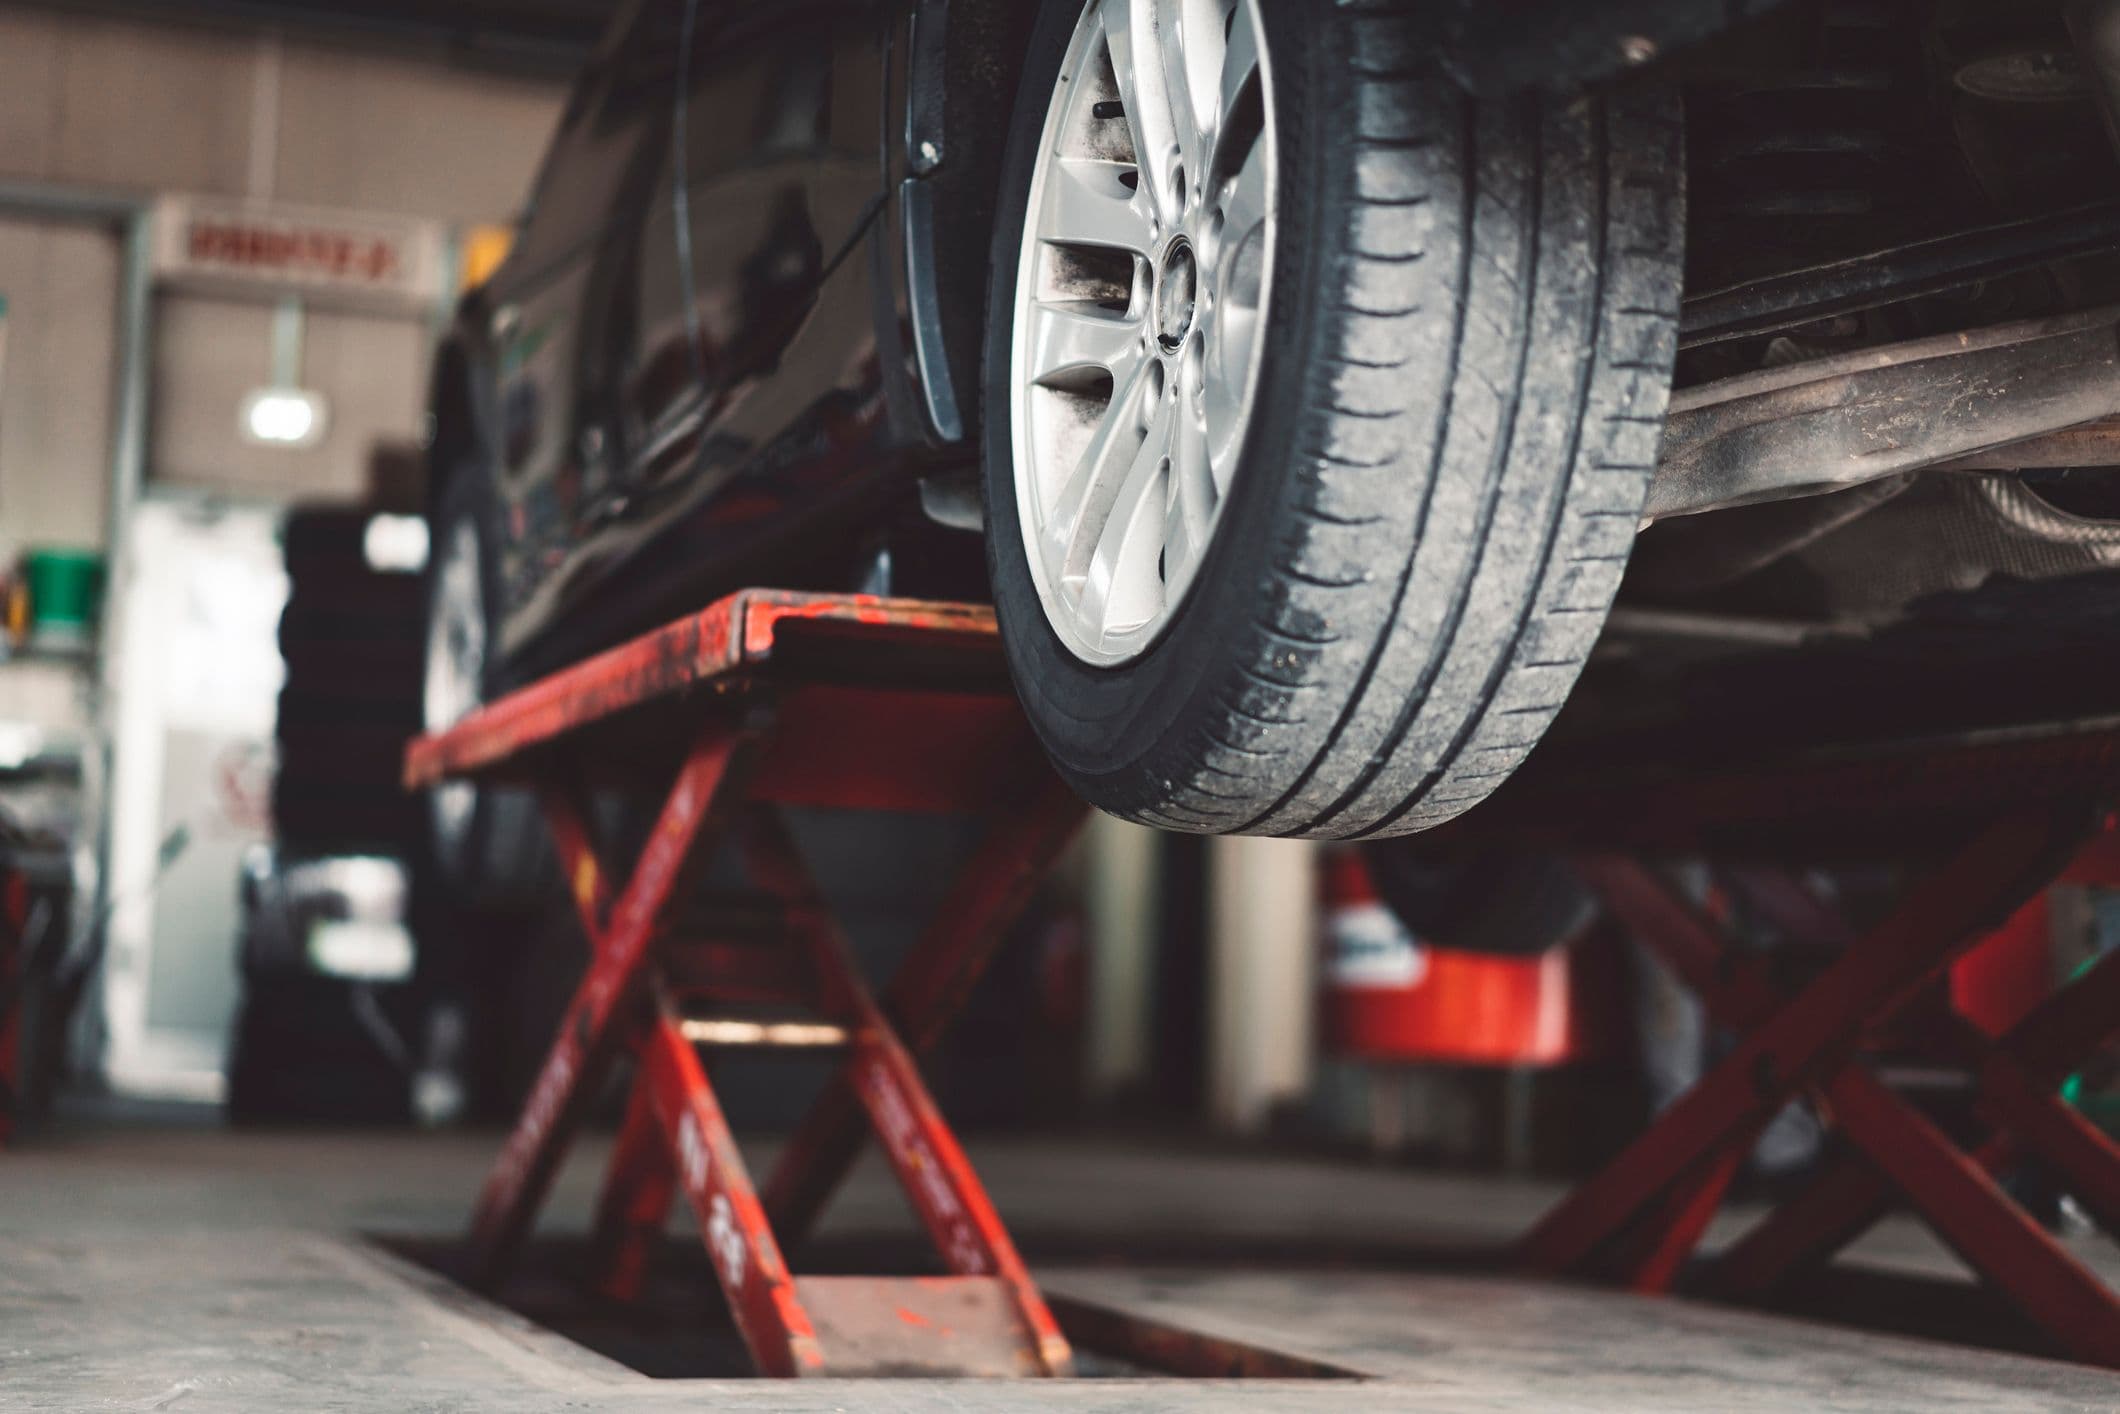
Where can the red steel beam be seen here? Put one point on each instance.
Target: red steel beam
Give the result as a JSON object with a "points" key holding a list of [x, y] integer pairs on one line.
{"points": [[1850, 1197], [2053, 1039], [2085, 1159], [639, 1185], [715, 644], [1675, 1223], [1952, 1191], [1683, 937], [930, 987], [732, 1223], [1966, 1208], [822, 746], [1808, 1036], [867, 748], [935, 1173], [923, 1151], [508, 1203], [1834, 1209]]}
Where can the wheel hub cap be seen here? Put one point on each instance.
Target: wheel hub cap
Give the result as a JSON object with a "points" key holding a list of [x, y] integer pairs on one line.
{"points": [[1177, 285], [1141, 296]]}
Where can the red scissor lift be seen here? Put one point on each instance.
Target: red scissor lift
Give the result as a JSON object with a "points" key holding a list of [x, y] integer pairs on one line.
{"points": [[2003, 815], [770, 699], [764, 700]]}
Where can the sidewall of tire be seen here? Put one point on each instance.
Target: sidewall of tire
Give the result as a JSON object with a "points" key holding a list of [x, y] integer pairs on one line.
{"points": [[503, 855], [1105, 728]]}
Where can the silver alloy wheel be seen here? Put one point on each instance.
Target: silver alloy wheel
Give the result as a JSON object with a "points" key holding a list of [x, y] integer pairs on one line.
{"points": [[455, 671], [1141, 297]]}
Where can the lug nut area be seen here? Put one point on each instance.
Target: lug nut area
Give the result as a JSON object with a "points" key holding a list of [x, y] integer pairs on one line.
{"points": [[1177, 295]]}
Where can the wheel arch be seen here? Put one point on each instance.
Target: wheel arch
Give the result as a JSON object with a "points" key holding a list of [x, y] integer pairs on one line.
{"points": [[453, 428], [973, 88]]}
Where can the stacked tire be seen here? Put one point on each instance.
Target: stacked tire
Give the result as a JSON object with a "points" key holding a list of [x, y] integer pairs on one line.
{"points": [[351, 640], [308, 1046]]}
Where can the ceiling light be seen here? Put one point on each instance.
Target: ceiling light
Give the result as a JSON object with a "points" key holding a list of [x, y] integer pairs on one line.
{"points": [[283, 417]]}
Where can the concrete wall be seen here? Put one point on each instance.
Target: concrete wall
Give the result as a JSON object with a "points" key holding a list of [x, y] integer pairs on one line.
{"points": [[100, 102], [210, 352], [117, 103], [55, 380]]}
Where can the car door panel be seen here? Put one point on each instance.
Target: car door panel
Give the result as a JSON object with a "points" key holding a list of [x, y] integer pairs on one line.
{"points": [[779, 135], [581, 362]]}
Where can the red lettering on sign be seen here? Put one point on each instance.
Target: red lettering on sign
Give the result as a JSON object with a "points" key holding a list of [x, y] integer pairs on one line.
{"points": [[295, 251]]}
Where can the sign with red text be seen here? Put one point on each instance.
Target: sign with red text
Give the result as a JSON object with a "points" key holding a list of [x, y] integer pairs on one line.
{"points": [[266, 249]]}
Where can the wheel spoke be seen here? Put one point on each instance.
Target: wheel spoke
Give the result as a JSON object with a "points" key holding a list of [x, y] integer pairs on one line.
{"points": [[1224, 405], [1233, 346], [1190, 502], [1078, 511], [1240, 63], [1077, 336], [1191, 35], [1135, 34], [1121, 588], [1087, 202], [1246, 200]]}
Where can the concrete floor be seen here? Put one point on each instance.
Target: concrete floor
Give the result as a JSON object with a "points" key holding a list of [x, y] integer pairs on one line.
{"points": [[180, 1266]]}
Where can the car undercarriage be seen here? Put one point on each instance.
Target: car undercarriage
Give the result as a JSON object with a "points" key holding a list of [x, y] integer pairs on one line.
{"points": [[1888, 499]]}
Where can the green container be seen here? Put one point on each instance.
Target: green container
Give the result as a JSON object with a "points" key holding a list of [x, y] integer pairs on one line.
{"points": [[65, 594]]}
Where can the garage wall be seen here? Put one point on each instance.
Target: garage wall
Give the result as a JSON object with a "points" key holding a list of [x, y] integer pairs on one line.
{"points": [[101, 102], [55, 381], [210, 352], [386, 130]]}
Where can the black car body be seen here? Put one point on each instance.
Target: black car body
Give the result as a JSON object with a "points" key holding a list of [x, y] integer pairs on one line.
{"points": [[754, 326], [694, 378], [746, 375]]}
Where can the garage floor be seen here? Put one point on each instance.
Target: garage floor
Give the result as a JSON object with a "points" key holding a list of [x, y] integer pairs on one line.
{"points": [[172, 1265]]}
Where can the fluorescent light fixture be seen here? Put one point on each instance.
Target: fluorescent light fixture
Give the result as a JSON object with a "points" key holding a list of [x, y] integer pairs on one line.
{"points": [[395, 544], [283, 417]]}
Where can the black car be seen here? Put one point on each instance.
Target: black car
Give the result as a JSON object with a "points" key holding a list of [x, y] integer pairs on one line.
{"points": [[1297, 372]]}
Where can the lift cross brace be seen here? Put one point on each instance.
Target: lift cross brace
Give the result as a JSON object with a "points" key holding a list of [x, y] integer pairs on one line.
{"points": [[1639, 1218], [768, 699]]}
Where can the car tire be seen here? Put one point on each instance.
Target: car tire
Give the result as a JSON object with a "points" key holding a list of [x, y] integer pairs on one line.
{"points": [[487, 844], [1461, 389], [341, 735]]}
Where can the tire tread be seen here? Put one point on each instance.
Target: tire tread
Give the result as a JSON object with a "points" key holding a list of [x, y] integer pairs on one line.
{"points": [[1433, 705]]}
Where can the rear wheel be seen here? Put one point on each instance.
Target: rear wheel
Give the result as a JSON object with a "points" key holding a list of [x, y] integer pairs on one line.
{"points": [[487, 844], [1321, 401]]}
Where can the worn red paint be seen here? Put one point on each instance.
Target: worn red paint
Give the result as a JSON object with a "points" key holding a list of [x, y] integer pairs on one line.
{"points": [[589, 1033], [922, 1149], [798, 737], [1810, 1041], [713, 647], [1850, 1197], [931, 985]]}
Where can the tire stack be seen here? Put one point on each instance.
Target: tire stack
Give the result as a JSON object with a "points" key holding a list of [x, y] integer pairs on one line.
{"points": [[310, 1046], [351, 639]]}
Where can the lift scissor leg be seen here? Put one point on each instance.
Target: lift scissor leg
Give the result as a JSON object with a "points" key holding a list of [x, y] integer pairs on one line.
{"points": [[663, 983], [1652, 1203]]}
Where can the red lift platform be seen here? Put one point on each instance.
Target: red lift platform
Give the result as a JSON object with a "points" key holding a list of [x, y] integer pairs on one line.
{"points": [[764, 700], [2000, 816]]}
